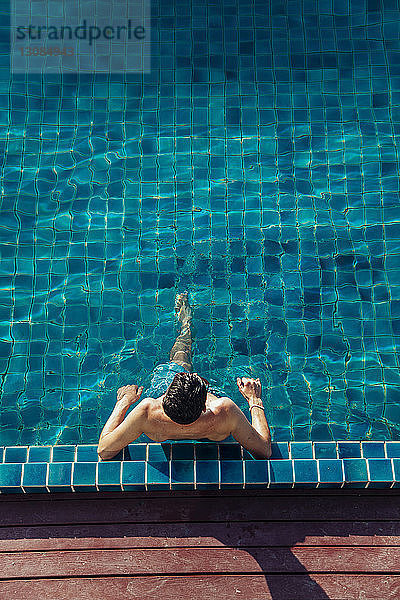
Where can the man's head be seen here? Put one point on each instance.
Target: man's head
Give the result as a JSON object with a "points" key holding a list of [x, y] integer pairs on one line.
{"points": [[185, 399]]}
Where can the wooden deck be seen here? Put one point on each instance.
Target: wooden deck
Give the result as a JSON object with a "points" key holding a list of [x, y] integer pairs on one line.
{"points": [[278, 545]]}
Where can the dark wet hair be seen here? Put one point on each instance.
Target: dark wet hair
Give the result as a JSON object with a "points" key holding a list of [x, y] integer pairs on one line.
{"points": [[185, 399]]}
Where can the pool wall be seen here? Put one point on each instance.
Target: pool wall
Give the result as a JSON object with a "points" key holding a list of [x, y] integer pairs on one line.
{"points": [[189, 466]]}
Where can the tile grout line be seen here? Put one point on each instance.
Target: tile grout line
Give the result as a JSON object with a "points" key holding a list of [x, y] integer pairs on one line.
{"points": [[72, 476], [393, 472], [96, 481], [47, 477], [22, 477], [368, 472], [343, 474]]}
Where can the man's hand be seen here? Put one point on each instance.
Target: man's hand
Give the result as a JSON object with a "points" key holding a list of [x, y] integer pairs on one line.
{"points": [[118, 432], [249, 388], [129, 394], [255, 437]]}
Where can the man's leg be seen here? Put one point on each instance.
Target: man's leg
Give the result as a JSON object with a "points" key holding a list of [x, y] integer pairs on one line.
{"points": [[181, 351]]}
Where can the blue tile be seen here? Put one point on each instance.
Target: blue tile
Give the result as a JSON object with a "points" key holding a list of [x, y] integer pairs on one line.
{"points": [[281, 473], [60, 476], [230, 452], [373, 449], [63, 454], [15, 454], [158, 475], [135, 452], [84, 477], [39, 454], [109, 475], [349, 449], [182, 472], [231, 473], [205, 451], [207, 473], [301, 450], [159, 452], [34, 477], [182, 451], [279, 450], [87, 454], [325, 450], [133, 475], [355, 472], [305, 473], [393, 449], [10, 478], [380, 472], [256, 473], [330, 473]]}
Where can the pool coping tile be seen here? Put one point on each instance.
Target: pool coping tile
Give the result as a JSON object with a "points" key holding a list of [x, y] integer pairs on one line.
{"points": [[158, 466]]}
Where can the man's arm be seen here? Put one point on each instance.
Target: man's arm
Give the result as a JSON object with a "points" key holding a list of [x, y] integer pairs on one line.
{"points": [[117, 432], [256, 438]]}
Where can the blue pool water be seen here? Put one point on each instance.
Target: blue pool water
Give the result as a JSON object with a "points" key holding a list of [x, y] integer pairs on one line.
{"points": [[256, 166]]}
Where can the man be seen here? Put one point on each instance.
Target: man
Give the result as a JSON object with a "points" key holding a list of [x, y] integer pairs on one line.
{"points": [[183, 408]]}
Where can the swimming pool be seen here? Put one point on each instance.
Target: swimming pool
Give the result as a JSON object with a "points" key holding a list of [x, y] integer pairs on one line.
{"points": [[255, 166]]}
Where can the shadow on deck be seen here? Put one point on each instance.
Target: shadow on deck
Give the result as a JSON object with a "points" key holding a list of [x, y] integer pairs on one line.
{"points": [[261, 545]]}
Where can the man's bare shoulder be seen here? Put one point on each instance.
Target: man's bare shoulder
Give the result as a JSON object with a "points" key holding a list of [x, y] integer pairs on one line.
{"points": [[144, 406], [225, 411], [147, 400], [151, 407], [224, 406]]}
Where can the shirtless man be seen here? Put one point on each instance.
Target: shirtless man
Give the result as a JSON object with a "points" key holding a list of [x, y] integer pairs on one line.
{"points": [[186, 410]]}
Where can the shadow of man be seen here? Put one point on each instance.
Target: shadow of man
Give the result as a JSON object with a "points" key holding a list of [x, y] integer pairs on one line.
{"points": [[256, 547]]}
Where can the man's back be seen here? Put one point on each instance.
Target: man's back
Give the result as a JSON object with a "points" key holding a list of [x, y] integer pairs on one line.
{"points": [[213, 424]]}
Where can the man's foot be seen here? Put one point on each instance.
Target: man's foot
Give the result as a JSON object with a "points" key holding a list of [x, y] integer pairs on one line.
{"points": [[183, 310]]}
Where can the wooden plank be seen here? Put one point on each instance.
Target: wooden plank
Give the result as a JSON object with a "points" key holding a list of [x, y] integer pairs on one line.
{"points": [[226, 587], [192, 509], [159, 561], [171, 535]]}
